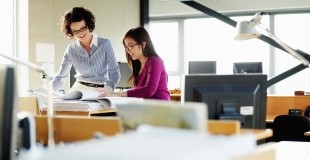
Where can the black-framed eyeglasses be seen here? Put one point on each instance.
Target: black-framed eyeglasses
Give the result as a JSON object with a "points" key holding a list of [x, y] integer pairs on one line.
{"points": [[130, 47], [80, 30]]}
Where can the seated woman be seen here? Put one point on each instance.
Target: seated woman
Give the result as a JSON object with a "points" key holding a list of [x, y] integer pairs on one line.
{"points": [[149, 76]]}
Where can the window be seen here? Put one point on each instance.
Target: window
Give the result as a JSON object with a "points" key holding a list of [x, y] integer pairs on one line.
{"points": [[209, 39], [165, 36], [7, 28], [165, 39], [293, 30]]}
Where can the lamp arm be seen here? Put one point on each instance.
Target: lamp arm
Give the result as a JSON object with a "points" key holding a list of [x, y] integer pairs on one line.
{"points": [[211, 12], [289, 49], [50, 108], [285, 74]]}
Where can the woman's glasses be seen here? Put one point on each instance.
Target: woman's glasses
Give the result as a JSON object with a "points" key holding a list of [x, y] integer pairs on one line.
{"points": [[130, 47], [80, 30]]}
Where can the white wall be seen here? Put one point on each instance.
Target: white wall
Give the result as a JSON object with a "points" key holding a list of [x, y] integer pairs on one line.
{"points": [[113, 19]]}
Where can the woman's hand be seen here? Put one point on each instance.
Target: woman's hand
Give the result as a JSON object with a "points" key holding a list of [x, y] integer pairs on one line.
{"points": [[105, 93]]}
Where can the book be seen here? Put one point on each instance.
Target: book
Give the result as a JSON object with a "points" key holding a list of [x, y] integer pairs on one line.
{"points": [[81, 100]]}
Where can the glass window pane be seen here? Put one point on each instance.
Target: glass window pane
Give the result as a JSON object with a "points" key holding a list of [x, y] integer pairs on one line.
{"points": [[293, 30], [7, 30], [208, 39], [165, 38]]}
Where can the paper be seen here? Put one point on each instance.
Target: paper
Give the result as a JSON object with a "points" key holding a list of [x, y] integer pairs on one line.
{"points": [[75, 105], [81, 95]]}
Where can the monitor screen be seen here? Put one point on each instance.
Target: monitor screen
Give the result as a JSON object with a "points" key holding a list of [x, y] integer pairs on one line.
{"points": [[235, 97], [248, 67], [72, 78], [8, 117], [125, 74], [201, 67]]}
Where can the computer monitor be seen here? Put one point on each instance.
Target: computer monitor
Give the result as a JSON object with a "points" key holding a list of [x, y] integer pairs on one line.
{"points": [[201, 67], [125, 74], [72, 78], [8, 117], [236, 97], [247, 67]]}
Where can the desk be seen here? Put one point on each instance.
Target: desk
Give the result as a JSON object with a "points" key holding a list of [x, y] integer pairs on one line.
{"points": [[270, 118], [151, 144], [260, 134], [278, 105], [77, 128], [175, 97], [281, 151]]}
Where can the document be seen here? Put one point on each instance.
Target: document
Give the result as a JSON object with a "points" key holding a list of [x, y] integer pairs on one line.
{"points": [[81, 95], [94, 96], [81, 100], [75, 105]]}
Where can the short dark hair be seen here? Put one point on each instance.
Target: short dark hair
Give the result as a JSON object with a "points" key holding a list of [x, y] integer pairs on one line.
{"points": [[76, 14]]}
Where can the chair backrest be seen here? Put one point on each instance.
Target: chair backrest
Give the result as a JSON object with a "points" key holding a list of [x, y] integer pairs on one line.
{"points": [[290, 128]]}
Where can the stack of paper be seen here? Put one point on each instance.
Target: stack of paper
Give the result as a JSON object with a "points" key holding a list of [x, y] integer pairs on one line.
{"points": [[80, 100]]}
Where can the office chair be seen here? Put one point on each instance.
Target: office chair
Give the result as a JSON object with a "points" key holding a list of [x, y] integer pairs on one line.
{"points": [[290, 128]]}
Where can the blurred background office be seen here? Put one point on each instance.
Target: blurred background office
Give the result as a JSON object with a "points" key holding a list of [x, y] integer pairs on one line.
{"points": [[180, 33]]}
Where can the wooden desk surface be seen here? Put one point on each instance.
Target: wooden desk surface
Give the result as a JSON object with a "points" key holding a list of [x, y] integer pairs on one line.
{"points": [[175, 97], [260, 134], [77, 128], [270, 118]]}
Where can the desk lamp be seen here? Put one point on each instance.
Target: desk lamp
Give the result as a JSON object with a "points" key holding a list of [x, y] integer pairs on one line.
{"points": [[50, 109], [246, 30]]}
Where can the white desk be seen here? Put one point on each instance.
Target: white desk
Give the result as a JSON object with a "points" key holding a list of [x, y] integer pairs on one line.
{"points": [[151, 143], [285, 150]]}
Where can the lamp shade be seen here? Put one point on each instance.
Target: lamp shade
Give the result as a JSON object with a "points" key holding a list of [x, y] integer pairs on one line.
{"points": [[246, 30]]}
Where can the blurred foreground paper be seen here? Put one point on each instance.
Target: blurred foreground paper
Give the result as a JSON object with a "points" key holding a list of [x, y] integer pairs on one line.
{"points": [[190, 115], [155, 143]]}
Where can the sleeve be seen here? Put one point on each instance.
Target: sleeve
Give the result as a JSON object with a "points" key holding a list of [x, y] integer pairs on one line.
{"points": [[154, 69], [113, 68], [64, 71]]}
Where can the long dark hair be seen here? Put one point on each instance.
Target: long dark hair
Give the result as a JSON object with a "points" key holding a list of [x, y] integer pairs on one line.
{"points": [[139, 34], [76, 14]]}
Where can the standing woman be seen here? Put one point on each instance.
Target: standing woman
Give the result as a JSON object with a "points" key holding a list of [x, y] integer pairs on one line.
{"points": [[92, 56], [149, 76]]}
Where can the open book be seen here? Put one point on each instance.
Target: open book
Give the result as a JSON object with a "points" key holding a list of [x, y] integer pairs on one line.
{"points": [[82, 101]]}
